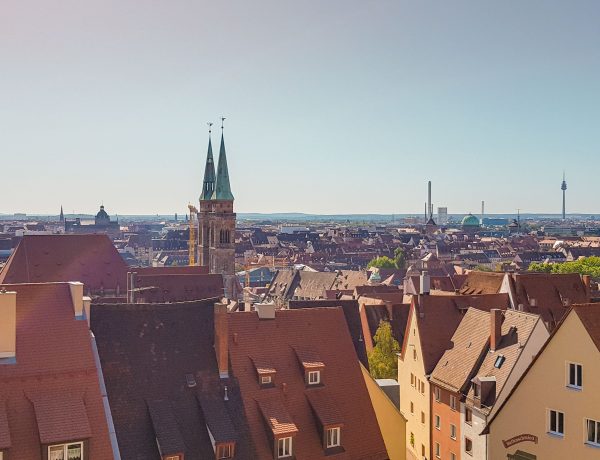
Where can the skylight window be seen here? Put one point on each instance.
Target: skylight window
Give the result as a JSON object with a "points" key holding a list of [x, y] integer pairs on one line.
{"points": [[499, 361]]}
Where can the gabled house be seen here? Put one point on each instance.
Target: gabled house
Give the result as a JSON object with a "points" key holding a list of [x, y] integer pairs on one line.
{"points": [[431, 323], [52, 401], [553, 411]]}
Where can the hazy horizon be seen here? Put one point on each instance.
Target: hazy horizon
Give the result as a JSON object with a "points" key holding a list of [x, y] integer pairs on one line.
{"points": [[339, 107]]}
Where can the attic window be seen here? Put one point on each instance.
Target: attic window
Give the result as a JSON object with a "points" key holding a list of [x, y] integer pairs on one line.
{"points": [[499, 361], [224, 451], [73, 451], [314, 377], [265, 379]]}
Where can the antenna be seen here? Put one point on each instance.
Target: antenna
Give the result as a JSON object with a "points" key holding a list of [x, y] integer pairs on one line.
{"points": [[222, 120]]}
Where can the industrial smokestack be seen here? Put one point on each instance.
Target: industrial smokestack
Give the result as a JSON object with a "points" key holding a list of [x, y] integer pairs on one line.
{"points": [[482, 211], [429, 199]]}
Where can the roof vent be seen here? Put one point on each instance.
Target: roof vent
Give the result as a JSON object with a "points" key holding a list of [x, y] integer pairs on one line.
{"points": [[190, 380]]}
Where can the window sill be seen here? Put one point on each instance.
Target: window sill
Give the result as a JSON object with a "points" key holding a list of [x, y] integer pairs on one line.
{"points": [[593, 445], [555, 435], [574, 388]]}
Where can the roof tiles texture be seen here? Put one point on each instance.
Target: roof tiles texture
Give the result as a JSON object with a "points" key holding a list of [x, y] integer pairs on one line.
{"points": [[438, 318], [91, 259], [55, 370], [146, 351], [324, 331]]}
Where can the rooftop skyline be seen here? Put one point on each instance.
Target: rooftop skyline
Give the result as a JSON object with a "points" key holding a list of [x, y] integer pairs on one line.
{"points": [[332, 108]]}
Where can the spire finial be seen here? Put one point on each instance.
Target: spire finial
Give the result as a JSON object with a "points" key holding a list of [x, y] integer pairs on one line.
{"points": [[209, 127], [222, 120]]}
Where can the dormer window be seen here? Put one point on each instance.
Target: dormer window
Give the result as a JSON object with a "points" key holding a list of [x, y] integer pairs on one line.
{"points": [[265, 379], [224, 451], [265, 373], [314, 377], [284, 447], [333, 437]]}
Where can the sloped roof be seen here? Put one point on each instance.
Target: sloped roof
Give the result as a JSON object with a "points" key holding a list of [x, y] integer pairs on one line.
{"points": [[324, 331], [146, 351], [91, 259], [517, 327], [438, 318], [553, 294], [178, 288], [468, 341], [53, 370], [479, 282]]}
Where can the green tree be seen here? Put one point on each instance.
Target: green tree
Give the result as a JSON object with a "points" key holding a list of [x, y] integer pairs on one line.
{"points": [[400, 258], [584, 266], [383, 359], [382, 262]]}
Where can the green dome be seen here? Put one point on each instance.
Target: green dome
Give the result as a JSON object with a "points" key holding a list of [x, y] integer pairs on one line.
{"points": [[470, 221]]}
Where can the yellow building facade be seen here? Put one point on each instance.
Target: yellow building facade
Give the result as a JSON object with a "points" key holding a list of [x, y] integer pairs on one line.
{"points": [[414, 393], [554, 411], [391, 422]]}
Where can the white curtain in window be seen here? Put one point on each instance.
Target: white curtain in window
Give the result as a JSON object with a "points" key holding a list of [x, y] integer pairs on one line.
{"points": [[57, 453], [74, 452]]}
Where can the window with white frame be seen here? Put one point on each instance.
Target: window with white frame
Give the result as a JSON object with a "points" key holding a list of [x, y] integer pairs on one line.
{"points": [[265, 379], [437, 449], [224, 451], [284, 447], [556, 422], [452, 402], [438, 422], [453, 431], [575, 376], [438, 394], [592, 432], [70, 451], [333, 437], [314, 377]]}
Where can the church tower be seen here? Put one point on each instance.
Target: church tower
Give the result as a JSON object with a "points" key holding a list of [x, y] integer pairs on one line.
{"points": [[217, 219]]}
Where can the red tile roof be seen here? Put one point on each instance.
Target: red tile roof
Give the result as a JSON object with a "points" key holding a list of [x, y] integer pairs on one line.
{"points": [[438, 318], [276, 415], [61, 416], [324, 332], [54, 365], [91, 259], [177, 288]]}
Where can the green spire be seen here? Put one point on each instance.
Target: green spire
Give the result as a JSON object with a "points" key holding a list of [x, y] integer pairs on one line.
{"points": [[222, 187], [209, 173]]}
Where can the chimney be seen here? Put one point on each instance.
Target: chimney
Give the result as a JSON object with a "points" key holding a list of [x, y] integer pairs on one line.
{"points": [[8, 324], [87, 301], [496, 328], [77, 298], [221, 339], [587, 283], [425, 283], [265, 310]]}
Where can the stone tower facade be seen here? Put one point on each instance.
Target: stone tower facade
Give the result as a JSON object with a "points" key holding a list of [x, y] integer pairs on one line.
{"points": [[217, 221]]}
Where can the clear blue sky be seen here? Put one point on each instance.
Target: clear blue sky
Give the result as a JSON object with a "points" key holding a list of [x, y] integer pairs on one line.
{"points": [[332, 106]]}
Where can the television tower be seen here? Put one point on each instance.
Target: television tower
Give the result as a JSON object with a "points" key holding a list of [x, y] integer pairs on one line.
{"points": [[563, 187]]}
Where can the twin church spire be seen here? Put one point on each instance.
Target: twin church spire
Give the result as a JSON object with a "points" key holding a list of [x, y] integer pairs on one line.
{"points": [[216, 186]]}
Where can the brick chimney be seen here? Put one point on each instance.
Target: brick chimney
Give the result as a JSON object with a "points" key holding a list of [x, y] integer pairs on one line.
{"points": [[8, 325], [222, 339], [496, 328], [587, 283]]}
